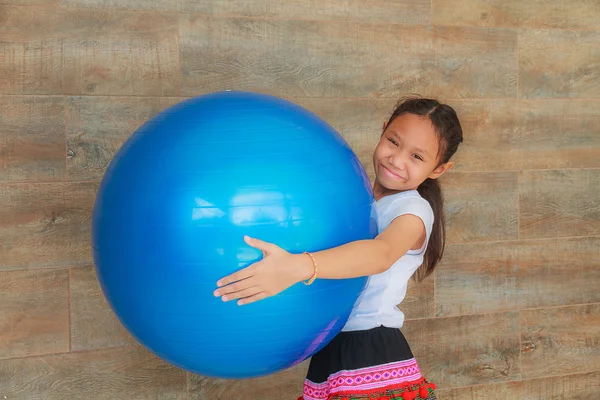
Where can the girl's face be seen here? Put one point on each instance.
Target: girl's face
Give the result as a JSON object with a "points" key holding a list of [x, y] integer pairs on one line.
{"points": [[406, 155]]}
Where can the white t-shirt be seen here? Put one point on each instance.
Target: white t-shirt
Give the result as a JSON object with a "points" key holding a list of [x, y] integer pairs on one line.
{"points": [[384, 291]]}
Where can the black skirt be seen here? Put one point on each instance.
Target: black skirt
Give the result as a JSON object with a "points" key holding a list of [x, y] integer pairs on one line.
{"points": [[370, 364]]}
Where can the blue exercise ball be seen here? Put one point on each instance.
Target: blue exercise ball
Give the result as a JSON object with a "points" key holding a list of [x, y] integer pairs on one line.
{"points": [[171, 213]]}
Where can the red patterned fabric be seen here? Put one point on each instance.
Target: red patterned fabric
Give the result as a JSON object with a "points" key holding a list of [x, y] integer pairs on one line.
{"points": [[401, 380]]}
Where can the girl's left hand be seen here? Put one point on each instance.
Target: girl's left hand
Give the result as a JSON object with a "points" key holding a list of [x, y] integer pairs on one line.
{"points": [[277, 271]]}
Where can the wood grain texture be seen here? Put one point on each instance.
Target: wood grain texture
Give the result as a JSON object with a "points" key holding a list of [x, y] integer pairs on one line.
{"points": [[31, 2], [583, 386], [93, 323], [76, 51], [552, 14], [45, 225], [122, 373], [32, 60], [466, 350], [287, 384], [32, 139], [34, 313], [163, 5], [487, 277], [97, 127], [419, 301], [131, 54], [296, 58], [559, 203], [560, 341], [389, 11], [29, 66], [480, 206], [550, 65], [528, 134]]}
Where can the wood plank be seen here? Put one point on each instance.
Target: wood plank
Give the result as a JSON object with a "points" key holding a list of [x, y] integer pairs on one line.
{"points": [[32, 58], [30, 66], [583, 386], [31, 2], [528, 134], [34, 313], [93, 323], [487, 277], [559, 203], [489, 129], [544, 14], [466, 350], [164, 5], [480, 206], [32, 139], [298, 58], [550, 66], [45, 225], [287, 384], [97, 127], [121, 373], [419, 301], [389, 11], [132, 54], [560, 341], [79, 51]]}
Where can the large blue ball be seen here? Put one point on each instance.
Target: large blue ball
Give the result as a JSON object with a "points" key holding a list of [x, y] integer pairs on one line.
{"points": [[171, 213]]}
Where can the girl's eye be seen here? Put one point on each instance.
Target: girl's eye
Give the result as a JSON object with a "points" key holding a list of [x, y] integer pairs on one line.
{"points": [[393, 141], [418, 157]]}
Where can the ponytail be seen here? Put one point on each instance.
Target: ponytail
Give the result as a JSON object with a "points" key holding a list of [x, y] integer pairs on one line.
{"points": [[431, 191]]}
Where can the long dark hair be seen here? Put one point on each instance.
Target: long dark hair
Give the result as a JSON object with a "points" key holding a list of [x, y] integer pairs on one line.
{"points": [[450, 135]]}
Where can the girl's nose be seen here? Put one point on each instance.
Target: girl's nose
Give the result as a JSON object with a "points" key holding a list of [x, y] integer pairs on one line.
{"points": [[398, 162]]}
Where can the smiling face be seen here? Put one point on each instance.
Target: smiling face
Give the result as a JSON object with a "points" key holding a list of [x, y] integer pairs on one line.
{"points": [[406, 155]]}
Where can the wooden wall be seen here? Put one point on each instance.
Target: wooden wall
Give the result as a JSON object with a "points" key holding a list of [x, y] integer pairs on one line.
{"points": [[513, 312]]}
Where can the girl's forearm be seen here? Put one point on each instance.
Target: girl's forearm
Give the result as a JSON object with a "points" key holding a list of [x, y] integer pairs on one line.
{"points": [[358, 258], [364, 257]]}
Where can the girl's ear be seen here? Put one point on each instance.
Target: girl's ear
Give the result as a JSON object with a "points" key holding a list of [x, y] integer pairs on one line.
{"points": [[439, 171]]}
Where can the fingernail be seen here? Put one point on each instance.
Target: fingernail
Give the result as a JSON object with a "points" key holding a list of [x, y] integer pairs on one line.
{"points": [[225, 298], [216, 293], [219, 283], [240, 303]]}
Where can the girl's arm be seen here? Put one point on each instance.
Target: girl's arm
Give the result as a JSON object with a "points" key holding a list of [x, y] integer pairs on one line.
{"points": [[367, 257], [279, 269]]}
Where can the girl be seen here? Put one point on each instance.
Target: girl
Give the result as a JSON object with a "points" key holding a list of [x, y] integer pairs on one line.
{"points": [[370, 358]]}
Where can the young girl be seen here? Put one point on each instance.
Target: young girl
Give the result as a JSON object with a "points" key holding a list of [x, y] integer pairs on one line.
{"points": [[370, 358]]}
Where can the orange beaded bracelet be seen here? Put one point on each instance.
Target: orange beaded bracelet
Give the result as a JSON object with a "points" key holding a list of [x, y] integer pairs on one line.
{"points": [[314, 275]]}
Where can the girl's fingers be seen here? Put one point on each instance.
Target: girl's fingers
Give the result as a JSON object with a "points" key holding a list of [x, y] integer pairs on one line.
{"points": [[252, 299], [237, 276], [263, 246], [242, 294]]}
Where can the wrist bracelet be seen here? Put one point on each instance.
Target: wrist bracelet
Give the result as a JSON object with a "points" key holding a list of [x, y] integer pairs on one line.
{"points": [[314, 275]]}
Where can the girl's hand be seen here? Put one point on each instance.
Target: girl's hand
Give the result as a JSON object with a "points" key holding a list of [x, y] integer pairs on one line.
{"points": [[277, 271]]}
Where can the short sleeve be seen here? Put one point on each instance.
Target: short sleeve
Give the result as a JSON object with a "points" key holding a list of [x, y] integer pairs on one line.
{"points": [[414, 205]]}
